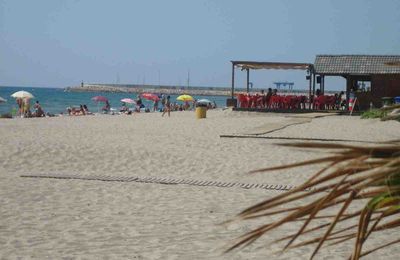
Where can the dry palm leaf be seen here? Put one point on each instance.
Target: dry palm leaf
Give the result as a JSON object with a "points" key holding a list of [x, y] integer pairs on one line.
{"points": [[352, 173]]}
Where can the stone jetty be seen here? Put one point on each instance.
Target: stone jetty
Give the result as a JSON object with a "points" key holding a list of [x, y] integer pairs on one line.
{"points": [[172, 90]]}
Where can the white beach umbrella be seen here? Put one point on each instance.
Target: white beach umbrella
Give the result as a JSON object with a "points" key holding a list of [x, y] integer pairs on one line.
{"points": [[2, 100], [22, 94], [204, 100]]}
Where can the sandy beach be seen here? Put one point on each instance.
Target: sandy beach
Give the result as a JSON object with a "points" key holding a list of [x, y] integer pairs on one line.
{"points": [[42, 218]]}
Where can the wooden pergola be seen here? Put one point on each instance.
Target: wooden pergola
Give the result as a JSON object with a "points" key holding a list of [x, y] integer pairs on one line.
{"points": [[256, 65]]}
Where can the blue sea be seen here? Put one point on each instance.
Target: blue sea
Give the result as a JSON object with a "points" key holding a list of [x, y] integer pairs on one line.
{"points": [[55, 100]]}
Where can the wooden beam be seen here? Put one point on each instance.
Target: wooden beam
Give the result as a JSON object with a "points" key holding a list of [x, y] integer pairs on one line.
{"points": [[233, 80], [313, 90], [248, 80], [309, 92], [349, 85]]}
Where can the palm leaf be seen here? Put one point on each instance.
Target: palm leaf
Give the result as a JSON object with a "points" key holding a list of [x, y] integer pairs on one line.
{"points": [[351, 173]]}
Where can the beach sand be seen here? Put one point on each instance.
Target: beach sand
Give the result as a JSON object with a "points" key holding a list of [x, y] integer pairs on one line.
{"points": [[43, 218]]}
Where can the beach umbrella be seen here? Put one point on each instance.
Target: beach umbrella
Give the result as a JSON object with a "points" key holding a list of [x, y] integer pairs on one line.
{"points": [[128, 100], [185, 98], [22, 94], [2, 100], [150, 96], [99, 99], [204, 100]]}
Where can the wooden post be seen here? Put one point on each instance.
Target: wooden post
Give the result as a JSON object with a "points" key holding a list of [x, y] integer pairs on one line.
{"points": [[313, 90], [309, 92], [248, 80], [233, 80], [349, 85]]}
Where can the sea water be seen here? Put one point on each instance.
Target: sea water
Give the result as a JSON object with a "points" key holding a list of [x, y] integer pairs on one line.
{"points": [[56, 101]]}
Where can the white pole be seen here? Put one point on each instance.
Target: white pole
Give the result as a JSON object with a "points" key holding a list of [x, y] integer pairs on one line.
{"points": [[354, 104]]}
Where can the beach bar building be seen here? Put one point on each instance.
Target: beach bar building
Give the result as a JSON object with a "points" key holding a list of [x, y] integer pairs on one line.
{"points": [[369, 77]]}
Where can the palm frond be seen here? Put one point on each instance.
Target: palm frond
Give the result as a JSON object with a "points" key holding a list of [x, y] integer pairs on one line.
{"points": [[350, 174]]}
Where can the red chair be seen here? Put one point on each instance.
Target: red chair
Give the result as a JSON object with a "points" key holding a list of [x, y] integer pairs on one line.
{"points": [[272, 102], [320, 102], [276, 102], [258, 101], [330, 102], [253, 101], [295, 102], [287, 102], [302, 100], [243, 101]]}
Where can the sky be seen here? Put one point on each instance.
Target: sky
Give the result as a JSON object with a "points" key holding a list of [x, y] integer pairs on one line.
{"points": [[55, 43]]}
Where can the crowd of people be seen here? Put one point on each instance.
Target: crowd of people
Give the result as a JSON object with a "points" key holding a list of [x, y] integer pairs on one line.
{"points": [[162, 104]]}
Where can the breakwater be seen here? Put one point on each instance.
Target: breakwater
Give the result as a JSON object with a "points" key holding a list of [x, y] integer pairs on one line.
{"points": [[171, 90]]}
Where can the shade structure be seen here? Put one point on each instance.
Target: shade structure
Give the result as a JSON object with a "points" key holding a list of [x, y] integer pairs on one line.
{"points": [[185, 98], [255, 65], [99, 99], [128, 100], [150, 96], [204, 100], [2, 100], [22, 94]]}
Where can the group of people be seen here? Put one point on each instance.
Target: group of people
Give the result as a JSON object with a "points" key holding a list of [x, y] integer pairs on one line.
{"points": [[81, 111], [166, 106], [162, 104], [340, 101], [24, 108], [126, 110]]}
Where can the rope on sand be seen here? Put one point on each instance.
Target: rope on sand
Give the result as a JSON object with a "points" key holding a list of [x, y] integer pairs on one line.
{"points": [[297, 138], [162, 180]]}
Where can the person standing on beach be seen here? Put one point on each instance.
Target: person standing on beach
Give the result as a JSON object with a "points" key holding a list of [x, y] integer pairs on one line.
{"points": [[167, 106], [163, 99], [27, 107], [19, 103], [268, 97], [139, 104], [263, 99], [155, 105]]}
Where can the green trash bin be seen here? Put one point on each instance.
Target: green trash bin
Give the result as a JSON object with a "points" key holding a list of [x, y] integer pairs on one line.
{"points": [[387, 101]]}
